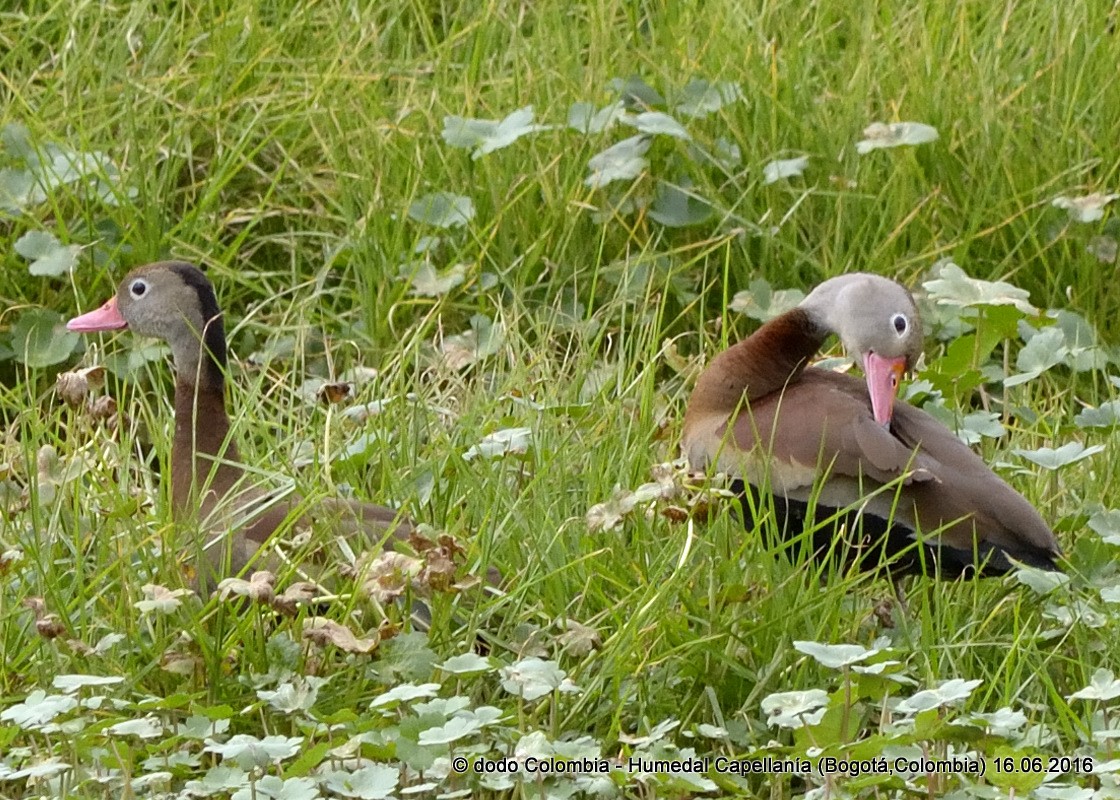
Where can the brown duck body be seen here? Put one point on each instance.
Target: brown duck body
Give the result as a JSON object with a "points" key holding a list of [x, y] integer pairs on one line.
{"points": [[907, 491], [211, 491]]}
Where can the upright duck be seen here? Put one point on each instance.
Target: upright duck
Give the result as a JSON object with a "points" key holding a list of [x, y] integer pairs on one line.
{"points": [[822, 444], [174, 301]]}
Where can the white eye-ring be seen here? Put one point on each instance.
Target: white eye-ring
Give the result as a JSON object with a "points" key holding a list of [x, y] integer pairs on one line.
{"points": [[901, 324], [138, 288]]}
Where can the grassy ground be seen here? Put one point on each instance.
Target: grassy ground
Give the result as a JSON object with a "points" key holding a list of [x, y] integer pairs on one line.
{"points": [[283, 146]]}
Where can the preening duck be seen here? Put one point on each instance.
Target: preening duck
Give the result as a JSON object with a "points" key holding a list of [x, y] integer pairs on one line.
{"points": [[174, 301], [903, 488]]}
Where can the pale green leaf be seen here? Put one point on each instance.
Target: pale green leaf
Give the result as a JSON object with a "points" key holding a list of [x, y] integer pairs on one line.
{"points": [[508, 441], [442, 209], [711, 731], [39, 338], [636, 93], [878, 135], [159, 599], [1045, 349], [486, 136], [700, 98], [484, 339], [374, 782], [291, 697], [1106, 524], [978, 424], [427, 281], [1102, 686], [533, 678], [48, 256], [453, 730], [248, 751], [467, 664], [223, 778], [38, 709], [1084, 208], [72, 683], [760, 301], [1056, 458], [622, 161], [795, 709], [19, 190], [835, 656], [36, 771], [273, 787], [144, 728], [952, 287], [404, 693], [1003, 722], [784, 168], [678, 206], [727, 154], [446, 707], [658, 122], [1041, 581], [584, 118], [1104, 248], [947, 693]]}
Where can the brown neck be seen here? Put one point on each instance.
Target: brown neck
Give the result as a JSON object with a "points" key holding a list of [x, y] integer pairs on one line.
{"points": [[762, 363], [202, 455]]}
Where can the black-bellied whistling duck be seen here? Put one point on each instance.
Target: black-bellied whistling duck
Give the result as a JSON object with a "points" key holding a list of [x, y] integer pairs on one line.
{"points": [[908, 491], [175, 302]]}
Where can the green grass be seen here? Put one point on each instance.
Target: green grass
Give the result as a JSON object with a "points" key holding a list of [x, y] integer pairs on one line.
{"points": [[282, 145]]}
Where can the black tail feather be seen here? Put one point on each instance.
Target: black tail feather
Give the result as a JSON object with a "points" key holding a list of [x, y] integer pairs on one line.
{"points": [[869, 542]]}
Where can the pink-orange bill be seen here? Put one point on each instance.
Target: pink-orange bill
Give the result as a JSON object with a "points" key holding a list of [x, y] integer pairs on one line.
{"points": [[106, 318], [883, 375]]}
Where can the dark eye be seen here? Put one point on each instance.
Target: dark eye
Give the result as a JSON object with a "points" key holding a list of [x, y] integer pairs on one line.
{"points": [[901, 324], [138, 289]]}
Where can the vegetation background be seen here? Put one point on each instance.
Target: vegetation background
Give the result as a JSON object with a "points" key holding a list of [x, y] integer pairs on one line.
{"points": [[301, 151]]}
